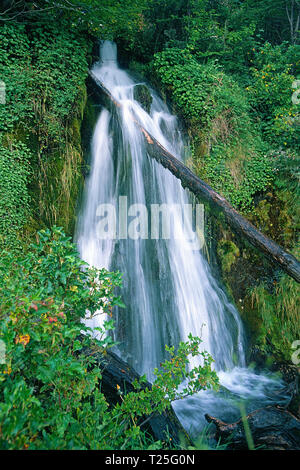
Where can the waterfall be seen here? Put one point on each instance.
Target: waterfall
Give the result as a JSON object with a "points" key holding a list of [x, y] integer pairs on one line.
{"points": [[168, 287]]}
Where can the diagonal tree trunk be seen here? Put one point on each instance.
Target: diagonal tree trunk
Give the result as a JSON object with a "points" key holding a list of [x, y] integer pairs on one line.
{"points": [[287, 262]]}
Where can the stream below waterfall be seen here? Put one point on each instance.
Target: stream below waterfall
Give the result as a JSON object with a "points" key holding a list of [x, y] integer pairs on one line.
{"points": [[168, 287]]}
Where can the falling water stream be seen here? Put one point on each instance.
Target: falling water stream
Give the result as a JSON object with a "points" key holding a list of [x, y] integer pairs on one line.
{"points": [[168, 287]]}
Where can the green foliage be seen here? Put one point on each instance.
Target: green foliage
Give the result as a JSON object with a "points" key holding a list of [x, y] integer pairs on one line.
{"points": [[16, 73], [277, 215], [14, 197], [106, 19], [272, 19], [171, 375], [43, 295], [210, 30], [227, 252], [271, 93], [239, 177], [220, 33], [44, 67], [50, 384], [44, 70], [209, 52]]}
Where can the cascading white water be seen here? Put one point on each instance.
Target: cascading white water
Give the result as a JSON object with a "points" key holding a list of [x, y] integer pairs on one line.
{"points": [[168, 289]]}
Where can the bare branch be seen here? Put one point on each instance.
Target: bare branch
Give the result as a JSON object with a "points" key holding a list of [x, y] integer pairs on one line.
{"points": [[4, 17]]}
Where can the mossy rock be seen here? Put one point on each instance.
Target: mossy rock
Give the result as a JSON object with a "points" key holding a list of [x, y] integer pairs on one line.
{"points": [[90, 115], [143, 96], [227, 252], [272, 215]]}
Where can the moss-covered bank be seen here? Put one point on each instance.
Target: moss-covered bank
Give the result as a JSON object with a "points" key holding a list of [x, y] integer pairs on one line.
{"points": [[44, 67]]}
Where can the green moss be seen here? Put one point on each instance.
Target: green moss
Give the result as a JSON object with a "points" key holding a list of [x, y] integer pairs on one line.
{"points": [[63, 175], [279, 310], [275, 216], [253, 320], [57, 179], [269, 305], [227, 252]]}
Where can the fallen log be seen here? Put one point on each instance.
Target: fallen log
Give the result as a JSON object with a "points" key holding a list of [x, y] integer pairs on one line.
{"points": [[286, 261], [115, 372], [271, 428]]}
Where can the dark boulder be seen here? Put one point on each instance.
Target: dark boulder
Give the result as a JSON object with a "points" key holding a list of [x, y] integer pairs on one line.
{"points": [[143, 96]]}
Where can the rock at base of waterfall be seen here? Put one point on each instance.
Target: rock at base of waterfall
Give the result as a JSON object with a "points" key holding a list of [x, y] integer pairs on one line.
{"points": [[143, 96], [117, 374], [272, 428]]}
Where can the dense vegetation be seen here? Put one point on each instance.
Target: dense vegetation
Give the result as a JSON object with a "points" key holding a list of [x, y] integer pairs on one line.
{"points": [[50, 387], [44, 73], [229, 68]]}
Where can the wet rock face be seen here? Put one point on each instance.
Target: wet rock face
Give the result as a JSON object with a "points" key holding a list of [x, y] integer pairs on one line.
{"points": [[272, 428], [142, 95]]}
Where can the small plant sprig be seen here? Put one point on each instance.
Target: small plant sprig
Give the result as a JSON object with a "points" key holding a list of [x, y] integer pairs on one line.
{"points": [[175, 380]]}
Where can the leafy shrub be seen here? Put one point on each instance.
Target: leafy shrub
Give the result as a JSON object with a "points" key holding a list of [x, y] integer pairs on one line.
{"points": [[271, 93], [238, 176], [228, 150], [44, 70], [201, 92], [49, 387]]}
